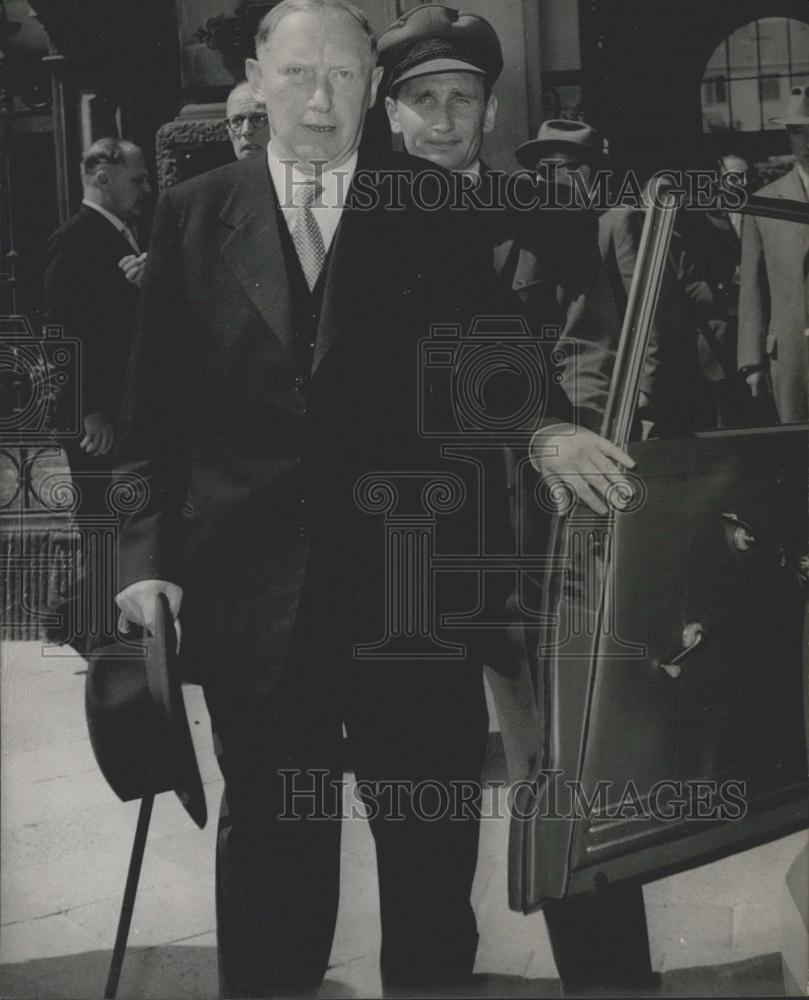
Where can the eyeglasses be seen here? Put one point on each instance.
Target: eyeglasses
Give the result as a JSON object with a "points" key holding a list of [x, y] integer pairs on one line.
{"points": [[257, 121]]}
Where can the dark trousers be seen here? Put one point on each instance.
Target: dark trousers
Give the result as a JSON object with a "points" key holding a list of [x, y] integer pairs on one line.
{"points": [[417, 738], [601, 940], [278, 846]]}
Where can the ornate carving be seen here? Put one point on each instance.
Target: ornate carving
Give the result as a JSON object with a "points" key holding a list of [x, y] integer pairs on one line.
{"points": [[178, 144], [232, 37]]}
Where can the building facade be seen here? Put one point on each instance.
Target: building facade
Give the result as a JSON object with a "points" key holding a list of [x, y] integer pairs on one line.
{"points": [[652, 75]]}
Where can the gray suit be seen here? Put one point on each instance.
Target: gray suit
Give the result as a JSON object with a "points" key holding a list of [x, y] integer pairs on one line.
{"points": [[774, 301]]}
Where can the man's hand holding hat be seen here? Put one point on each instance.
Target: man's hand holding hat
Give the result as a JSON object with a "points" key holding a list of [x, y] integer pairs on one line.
{"points": [[138, 601]]}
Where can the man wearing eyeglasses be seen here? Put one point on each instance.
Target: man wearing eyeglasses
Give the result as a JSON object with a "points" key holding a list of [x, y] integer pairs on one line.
{"points": [[247, 122]]}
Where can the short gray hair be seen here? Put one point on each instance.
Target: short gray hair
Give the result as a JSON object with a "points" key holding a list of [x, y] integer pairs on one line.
{"points": [[247, 87], [272, 18], [106, 152]]}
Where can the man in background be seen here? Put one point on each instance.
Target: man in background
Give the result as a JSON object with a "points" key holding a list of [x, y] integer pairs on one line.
{"points": [[773, 352], [90, 292], [705, 256], [665, 400], [247, 123], [552, 261]]}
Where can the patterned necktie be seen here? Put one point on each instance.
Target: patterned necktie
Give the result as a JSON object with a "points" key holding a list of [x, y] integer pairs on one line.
{"points": [[306, 234]]}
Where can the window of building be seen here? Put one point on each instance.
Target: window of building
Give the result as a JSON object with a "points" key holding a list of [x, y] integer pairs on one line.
{"points": [[749, 76]]}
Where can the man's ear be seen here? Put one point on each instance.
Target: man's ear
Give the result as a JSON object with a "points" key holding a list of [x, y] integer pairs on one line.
{"points": [[252, 68], [376, 78], [393, 115], [102, 177], [490, 114]]}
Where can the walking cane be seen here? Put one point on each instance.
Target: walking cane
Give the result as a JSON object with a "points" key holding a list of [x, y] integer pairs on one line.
{"points": [[140, 737], [128, 902]]}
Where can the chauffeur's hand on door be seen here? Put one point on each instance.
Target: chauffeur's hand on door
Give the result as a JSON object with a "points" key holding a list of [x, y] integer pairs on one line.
{"points": [[583, 461]]}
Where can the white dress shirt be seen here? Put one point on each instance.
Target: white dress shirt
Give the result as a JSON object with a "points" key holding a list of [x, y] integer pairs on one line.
{"points": [[287, 178]]}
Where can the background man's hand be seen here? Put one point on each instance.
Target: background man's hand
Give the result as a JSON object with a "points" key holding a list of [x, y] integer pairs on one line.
{"points": [[584, 462], [137, 601], [760, 385], [99, 436], [133, 267]]}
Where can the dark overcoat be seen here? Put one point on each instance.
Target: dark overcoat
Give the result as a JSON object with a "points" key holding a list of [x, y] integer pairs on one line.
{"points": [[251, 462]]}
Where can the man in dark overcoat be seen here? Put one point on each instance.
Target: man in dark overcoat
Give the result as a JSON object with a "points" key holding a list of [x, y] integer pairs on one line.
{"points": [[275, 368], [88, 294], [93, 264]]}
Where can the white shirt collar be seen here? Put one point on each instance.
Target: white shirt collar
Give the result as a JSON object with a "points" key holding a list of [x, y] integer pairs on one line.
{"points": [[287, 178], [119, 224]]}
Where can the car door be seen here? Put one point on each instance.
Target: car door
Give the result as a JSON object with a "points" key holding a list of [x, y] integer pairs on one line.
{"points": [[671, 684]]}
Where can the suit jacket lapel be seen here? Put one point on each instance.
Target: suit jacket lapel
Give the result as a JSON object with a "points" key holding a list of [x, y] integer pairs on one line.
{"points": [[253, 249], [792, 186], [114, 238]]}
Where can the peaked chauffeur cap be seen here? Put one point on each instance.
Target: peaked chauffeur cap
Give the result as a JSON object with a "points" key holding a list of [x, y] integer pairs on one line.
{"points": [[432, 39]]}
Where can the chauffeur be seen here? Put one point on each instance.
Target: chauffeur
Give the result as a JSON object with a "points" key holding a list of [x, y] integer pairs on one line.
{"points": [[278, 337], [440, 69]]}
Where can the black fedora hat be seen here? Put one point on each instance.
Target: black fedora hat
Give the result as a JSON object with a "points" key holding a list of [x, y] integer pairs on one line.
{"points": [[137, 722]]}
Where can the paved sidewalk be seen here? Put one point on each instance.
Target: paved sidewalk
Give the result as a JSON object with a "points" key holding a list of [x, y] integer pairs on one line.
{"points": [[66, 840]]}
